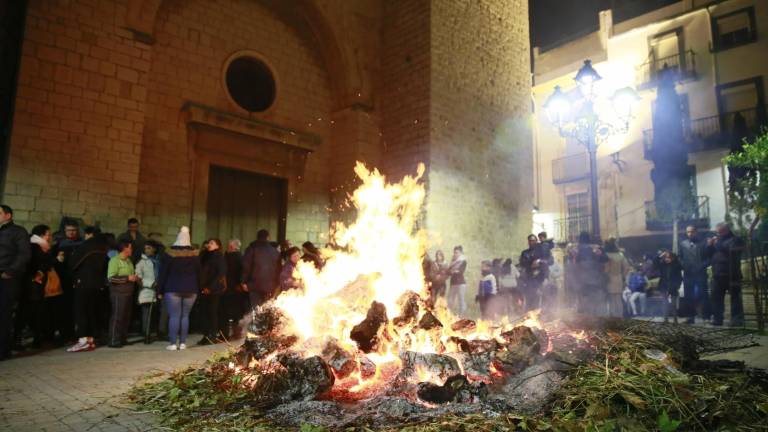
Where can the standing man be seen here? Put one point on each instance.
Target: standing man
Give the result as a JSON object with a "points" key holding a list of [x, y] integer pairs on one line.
{"points": [[122, 277], [534, 263], [458, 292], [63, 318], [261, 265], [134, 237], [724, 252], [14, 257], [695, 262], [88, 265]]}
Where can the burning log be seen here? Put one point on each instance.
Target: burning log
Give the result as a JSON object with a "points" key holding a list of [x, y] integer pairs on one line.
{"points": [[340, 360], [367, 367], [260, 347], [523, 339], [476, 366], [436, 365], [409, 309], [266, 320], [429, 322], [474, 345], [292, 378], [464, 326], [456, 389], [366, 334]]}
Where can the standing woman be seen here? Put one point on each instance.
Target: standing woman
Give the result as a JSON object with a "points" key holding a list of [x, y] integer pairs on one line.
{"points": [[179, 284], [213, 283], [438, 276], [33, 300], [122, 278], [147, 270]]}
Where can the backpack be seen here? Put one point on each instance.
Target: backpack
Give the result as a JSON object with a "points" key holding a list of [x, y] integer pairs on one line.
{"points": [[636, 282]]}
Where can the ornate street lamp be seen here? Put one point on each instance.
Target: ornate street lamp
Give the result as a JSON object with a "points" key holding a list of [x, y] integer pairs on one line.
{"points": [[575, 117]]}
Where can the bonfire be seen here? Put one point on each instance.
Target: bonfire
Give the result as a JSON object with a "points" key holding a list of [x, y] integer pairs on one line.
{"points": [[360, 344]]}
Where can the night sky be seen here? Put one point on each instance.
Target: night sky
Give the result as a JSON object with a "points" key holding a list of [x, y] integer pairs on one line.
{"points": [[553, 21]]}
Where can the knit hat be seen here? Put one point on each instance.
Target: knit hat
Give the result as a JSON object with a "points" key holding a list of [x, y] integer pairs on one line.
{"points": [[182, 238]]}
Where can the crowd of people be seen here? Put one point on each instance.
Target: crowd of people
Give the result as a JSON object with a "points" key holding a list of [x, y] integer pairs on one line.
{"points": [[80, 287], [599, 280]]}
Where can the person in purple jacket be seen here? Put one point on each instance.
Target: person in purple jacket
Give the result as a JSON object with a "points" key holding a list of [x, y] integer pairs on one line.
{"points": [[179, 285]]}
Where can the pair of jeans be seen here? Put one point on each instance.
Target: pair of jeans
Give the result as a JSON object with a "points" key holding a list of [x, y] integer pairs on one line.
{"points": [[457, 299], [696, 290], [720, 285], [631, 298], [178, 306]]}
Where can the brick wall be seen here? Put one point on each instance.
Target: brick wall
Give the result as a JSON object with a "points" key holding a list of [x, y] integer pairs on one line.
{"points": [[76, 139], [480, 178], [193, 41]]}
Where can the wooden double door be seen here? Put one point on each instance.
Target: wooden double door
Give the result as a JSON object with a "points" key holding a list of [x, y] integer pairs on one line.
{"points": [[240, 203]]}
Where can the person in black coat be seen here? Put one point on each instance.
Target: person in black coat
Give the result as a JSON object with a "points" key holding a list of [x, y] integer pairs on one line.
{"points": [[213, 284], [591, 279], [14, 258], [724, 252], [236, 303], [261, 268], [31, 307], [88, 265], [669, 283]]}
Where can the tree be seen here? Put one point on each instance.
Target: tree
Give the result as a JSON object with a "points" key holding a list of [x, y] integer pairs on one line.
{"points": [[748, 194]]}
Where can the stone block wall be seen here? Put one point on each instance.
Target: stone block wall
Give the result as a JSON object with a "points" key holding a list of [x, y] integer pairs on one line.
{"points": [[194, 39], [79, 119], [480, 162]]}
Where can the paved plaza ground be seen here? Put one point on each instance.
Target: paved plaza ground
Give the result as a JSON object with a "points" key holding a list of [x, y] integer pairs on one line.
{"points": [[60, 391]]}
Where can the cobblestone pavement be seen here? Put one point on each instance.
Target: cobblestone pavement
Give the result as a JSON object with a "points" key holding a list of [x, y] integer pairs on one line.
{"points": [[60, 391]]}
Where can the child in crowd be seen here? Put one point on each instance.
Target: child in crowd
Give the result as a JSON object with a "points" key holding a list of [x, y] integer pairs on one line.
{"points": [[635, 290], [486, 290]]}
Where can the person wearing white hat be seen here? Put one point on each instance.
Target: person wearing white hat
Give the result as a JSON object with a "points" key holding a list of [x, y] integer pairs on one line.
{"points": [[179, 283]]}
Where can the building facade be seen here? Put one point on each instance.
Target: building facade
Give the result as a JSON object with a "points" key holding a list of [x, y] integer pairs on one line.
{"points": [[235, 115], [716, 51]]}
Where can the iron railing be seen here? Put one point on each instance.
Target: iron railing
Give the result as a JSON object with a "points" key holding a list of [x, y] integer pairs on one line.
{"points": [[714, 132], [682, 65], [660, 217], [570, 168], [567, 230]]}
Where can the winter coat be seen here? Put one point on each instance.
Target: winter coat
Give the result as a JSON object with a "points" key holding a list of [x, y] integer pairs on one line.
{"points": [[88, 264], [147, 271], [180, 271], [671, 276], [725, 255], [287, 281], [693, 256], [261, 264], [527, 259], [42, 262], [615, 269], [487, 286], [590, 267], [14, 249], [213, 272], [234, 261], [457, 269]]}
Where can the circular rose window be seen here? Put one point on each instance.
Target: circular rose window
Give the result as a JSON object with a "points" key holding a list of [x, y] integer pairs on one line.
{"points": [[250, 84]]}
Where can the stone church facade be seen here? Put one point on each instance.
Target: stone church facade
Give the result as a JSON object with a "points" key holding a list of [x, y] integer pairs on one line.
{"points": [[127, 108]]}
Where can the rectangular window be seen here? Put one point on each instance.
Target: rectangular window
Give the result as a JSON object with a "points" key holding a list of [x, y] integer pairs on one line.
{"points": [[741, 105], [578, 221], [734, 29]]}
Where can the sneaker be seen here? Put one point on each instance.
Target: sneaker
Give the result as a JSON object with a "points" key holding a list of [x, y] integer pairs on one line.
{"points": [[80, 346], [182, 346], [172, 347]]}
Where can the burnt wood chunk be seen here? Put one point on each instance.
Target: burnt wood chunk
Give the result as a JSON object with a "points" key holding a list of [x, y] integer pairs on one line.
{"points": [[366, 333], [266, 320], [483, 345], [367, 367], [260, 347], [464, 325], [409, 309], [292, 378], [340, 360], [456, 389], [522, 339], [428, 322], [438, 365]]}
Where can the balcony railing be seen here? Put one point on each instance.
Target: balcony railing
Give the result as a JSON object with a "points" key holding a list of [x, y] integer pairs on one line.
{"points": [[570, 168], [714, 132], [660, 218], [567, 230], [683, 65]]}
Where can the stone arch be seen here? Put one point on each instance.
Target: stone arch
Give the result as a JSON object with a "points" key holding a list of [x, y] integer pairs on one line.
{"points": [[349, 86]]}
